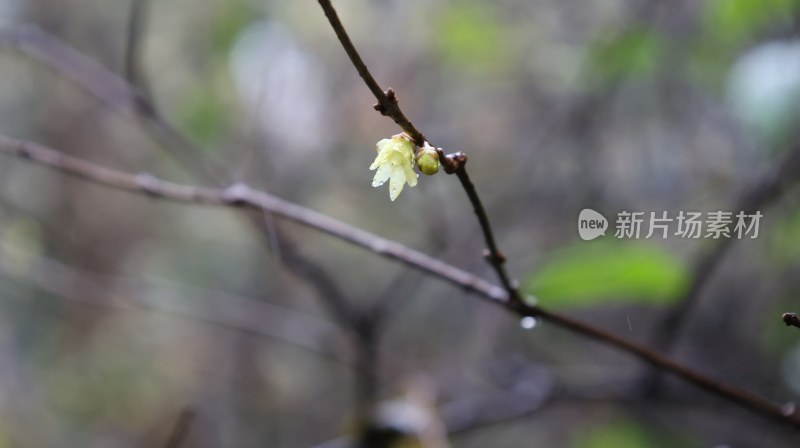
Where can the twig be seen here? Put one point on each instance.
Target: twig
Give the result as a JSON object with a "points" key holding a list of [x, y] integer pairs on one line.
{"points": [[791, 320], [241, 196], [453, 164], [123, 96], [387, 101], [181, 429], [387, 105], [132, 64]]}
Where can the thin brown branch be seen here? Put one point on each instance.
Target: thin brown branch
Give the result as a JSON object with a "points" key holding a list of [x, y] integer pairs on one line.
{"points": [[241, 196], [493, 256], [387, 105], [124, 97], [791, 320], [453, 164], [128, 98], [387, 101]]}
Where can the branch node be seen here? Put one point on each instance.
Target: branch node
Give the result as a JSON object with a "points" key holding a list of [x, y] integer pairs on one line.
{"points": [[237, 194], [453, 162], [387, 106], [791, 320], [788, 409], [495, 258]]}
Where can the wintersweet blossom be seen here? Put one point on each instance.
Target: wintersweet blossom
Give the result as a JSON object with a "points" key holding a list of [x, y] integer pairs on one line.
{"points": [[395, 163]]}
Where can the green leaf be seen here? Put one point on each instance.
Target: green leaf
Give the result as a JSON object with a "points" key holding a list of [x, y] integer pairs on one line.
{"points": [[603, 271]]}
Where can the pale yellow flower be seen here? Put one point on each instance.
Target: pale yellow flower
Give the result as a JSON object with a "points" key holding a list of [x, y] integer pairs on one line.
{"points": [[395, 163]]}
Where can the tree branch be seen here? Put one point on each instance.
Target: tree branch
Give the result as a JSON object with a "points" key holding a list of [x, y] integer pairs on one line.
{"points": [[453, 164], [122, 95], [387, 105], [241, 196]]}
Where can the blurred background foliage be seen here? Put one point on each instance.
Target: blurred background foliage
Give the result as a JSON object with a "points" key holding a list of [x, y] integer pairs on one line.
{"points": [[118, 314]]}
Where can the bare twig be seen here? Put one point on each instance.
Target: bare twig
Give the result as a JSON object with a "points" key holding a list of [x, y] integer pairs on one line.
{"points": [[453, 164], [387, 101], [123, 96], [388, 105], [791, 320], [105, 85], [241, 196]]}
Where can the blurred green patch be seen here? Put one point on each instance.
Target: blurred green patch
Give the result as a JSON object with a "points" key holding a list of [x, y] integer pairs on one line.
{"points": [[783, 240], [5, 439], [605, 271], [727, 27], [100, 385], [736, 21], [233, 19], [626, 433], [471, 37], [631, 53], [204, 115]]}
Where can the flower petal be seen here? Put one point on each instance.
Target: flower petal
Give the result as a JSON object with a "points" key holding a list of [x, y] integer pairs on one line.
{"points": [[396, 183], [383, 145], [411, 176], [382, 175]]}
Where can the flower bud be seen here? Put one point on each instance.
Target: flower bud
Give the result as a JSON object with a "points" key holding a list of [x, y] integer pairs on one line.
{"points": [[428, 160]]}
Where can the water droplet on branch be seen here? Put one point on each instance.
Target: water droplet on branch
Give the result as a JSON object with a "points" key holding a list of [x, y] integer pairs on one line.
{"points": [[528, 322]]}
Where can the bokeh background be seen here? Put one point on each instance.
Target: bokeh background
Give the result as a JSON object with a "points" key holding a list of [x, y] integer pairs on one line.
{"points": [[122, 317]]}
